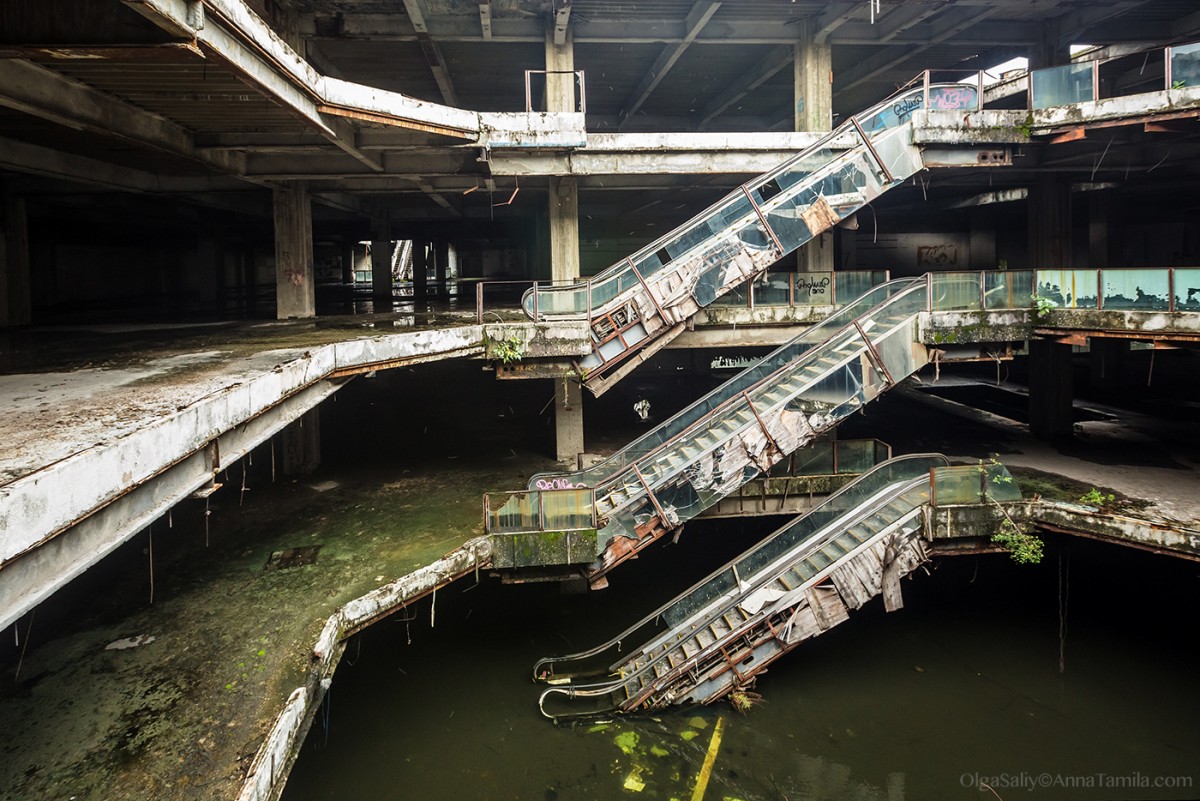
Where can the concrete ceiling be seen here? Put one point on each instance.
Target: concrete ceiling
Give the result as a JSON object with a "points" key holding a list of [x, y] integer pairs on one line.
{"points": [[93, 91]]}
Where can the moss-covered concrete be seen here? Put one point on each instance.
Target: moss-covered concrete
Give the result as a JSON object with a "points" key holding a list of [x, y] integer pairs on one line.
{"points": [[544, 548], [183, 713], [974, 327]]}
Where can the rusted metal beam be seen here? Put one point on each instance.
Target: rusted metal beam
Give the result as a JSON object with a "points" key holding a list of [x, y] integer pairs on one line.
{"points": [[1073, 135], [166, 52]]}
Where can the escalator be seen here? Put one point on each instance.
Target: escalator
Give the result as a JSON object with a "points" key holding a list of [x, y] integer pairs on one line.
{"points": [[797, 583], [635, 307], [741, 429]]}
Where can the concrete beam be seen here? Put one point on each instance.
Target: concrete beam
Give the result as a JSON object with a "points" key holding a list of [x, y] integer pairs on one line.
{"points": [[837, 15], [949, 25], [756, 76], [697, 18], [433, 53], [1076, 23], [52, 96], [485, 20], [562, 21]]}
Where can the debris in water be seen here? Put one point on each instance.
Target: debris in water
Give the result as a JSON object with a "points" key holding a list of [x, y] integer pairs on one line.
{"points": [[324, 486], [627, 741], [130, 642], [659, 751], [634, 781], [292, 557], [688, 734], [698, 722]]}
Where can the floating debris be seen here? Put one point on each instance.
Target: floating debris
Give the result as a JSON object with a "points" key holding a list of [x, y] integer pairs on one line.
{"points": [[130, 642]]}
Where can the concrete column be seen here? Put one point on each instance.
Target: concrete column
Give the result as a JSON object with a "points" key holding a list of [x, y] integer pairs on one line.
{"points": [[15, 294], [441, 267], [1051, 390], [560, 67], [302, 445], [381, 274], [982, 241], [564, 228], [813, 70], [1099, 252], [568, 420], [295, 295], [1050, 223], [420, 265], [813, 107], [348, 262], [1049, 52], [1106, 363]]}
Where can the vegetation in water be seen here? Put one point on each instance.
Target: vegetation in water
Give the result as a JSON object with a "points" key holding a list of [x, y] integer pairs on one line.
{"points": [[744, 700]]}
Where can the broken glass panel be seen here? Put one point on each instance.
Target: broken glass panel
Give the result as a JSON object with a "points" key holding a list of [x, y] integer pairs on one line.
{"points": [[1138, 290]]}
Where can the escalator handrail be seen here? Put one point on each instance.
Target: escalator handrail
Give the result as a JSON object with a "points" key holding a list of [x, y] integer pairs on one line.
{"points": [[596, 689], [900, 285], [890, 463]]}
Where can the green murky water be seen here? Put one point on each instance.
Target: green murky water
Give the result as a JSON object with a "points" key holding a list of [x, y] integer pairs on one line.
{"points": [[960, 687]]}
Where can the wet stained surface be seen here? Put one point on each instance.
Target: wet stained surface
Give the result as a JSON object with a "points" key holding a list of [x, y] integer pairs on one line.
{"points": [[964, 681]]}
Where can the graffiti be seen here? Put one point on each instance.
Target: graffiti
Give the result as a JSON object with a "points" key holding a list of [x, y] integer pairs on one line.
{"points": [[952, 97], [812, 286], [731, 363], [937, 255], [556, 484], [906, 106], [294, 276]]}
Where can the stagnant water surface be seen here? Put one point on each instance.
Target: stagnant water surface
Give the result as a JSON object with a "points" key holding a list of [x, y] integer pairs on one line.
{"points": [[960, 687]]}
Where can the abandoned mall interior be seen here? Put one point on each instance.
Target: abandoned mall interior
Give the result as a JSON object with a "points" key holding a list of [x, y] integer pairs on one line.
{"points": [[591, 399]]}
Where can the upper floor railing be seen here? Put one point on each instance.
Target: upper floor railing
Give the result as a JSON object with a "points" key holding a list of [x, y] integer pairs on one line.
{"points": [[1083, 81], [1168, 289]]}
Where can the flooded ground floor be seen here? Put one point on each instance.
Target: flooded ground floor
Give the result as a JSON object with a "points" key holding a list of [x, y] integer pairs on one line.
{"points": [[158, 673], [962, 687]]}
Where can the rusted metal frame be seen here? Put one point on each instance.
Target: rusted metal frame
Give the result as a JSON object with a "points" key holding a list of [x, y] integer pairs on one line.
{"points": [[876, 359], [479, 303], [528, 93], [929, 292], [925, 79], [1167, 66], [983, 290], [1099, 290], [933, 487], [392, 121], [646, 287], [871, 149], [762, 219], [541, 521], [650, 494], [791, 290], [1171, 290], [762, 425]]}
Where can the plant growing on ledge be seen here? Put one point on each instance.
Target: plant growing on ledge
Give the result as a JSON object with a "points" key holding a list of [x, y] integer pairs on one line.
{"points": [[1042, 305], [506, 351], [1023, 547], [1095, 497]]}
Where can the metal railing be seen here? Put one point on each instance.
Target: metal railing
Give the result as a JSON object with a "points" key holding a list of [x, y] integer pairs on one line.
{"points": [[833, 458], [556, 508], [1081, 81], [1169, 289], [803, 289], [972, 484]]}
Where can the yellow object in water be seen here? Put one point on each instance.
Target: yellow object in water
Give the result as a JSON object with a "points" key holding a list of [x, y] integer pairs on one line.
{"points": [[709, 759]]}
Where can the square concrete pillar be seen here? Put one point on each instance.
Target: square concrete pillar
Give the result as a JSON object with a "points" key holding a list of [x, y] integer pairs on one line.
{"points": [[813, 90], [302, 445], [381, 274], [568, 421], [295, 293], [1050, 223], [564, 228], [15, 295], [1051, 390], [420, 270]]}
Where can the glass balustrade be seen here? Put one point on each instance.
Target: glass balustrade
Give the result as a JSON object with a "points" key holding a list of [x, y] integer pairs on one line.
{"points": [[1059, 86]]}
